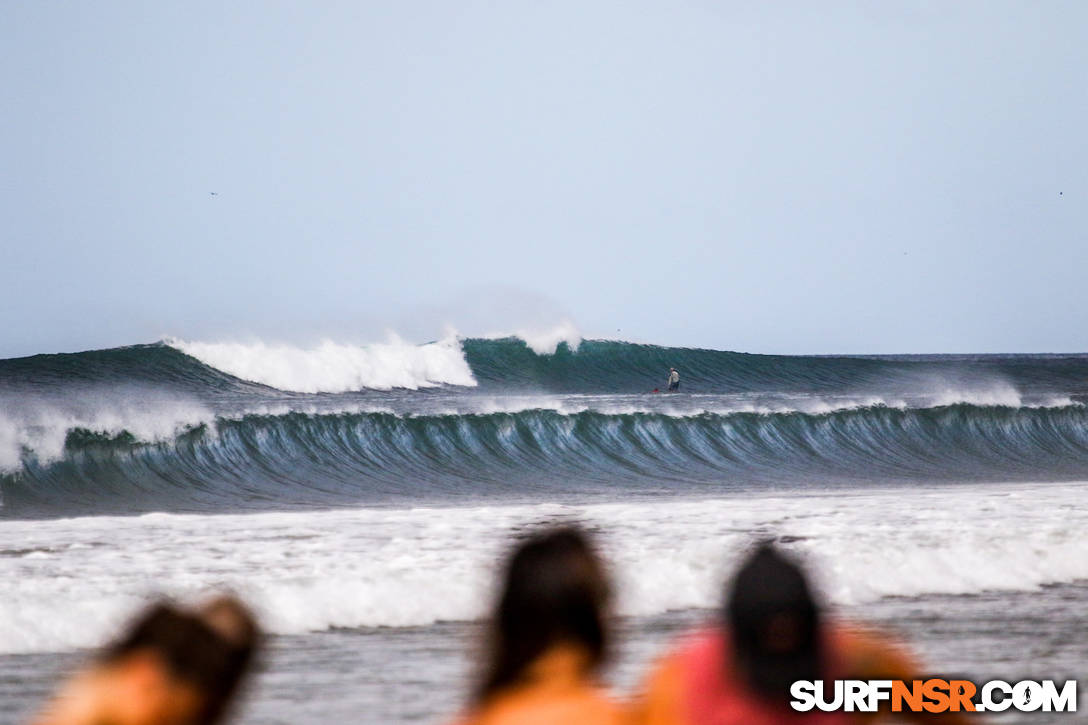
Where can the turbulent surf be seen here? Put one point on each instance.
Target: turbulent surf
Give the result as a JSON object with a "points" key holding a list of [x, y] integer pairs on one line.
{"points": [[186, 426]]}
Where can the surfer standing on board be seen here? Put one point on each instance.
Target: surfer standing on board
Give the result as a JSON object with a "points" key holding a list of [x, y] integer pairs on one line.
{"points": [[674, 380]]}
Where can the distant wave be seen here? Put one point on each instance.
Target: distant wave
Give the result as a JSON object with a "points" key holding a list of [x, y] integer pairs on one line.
{"points": [[562, 365], [544, 341], [207, 426], [612, 366], [292, 459], [336, 368]]}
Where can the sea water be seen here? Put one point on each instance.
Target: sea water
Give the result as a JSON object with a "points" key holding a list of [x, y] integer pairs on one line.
{"points": [[360, 496]]}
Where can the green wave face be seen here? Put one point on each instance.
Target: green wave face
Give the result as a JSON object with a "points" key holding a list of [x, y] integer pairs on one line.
{"points": [[148, 428], [296, 459]]}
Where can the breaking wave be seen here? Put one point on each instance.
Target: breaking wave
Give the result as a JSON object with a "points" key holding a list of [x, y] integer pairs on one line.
{"points": [[337, 368], [302, 459], [188, 426]]}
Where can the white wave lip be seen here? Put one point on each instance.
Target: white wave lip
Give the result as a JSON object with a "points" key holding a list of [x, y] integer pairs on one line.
{"points": [[718, 404], [309, 571], [545, 340], [41, 427], [333, 367]]}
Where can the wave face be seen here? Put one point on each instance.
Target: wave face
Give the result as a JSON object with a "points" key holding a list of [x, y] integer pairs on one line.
{"points": [[184, 426]]}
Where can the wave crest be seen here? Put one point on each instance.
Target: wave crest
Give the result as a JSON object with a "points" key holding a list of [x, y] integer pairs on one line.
{"points": [[299, 459], [544, 341], [333, 367]]}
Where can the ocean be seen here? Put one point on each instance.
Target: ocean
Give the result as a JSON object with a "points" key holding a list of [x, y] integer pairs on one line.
{"points": [[359, 496]]}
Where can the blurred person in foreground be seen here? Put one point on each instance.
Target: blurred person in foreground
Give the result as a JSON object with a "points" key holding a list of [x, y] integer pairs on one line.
{"points": [[172, 667], [547, 638], [773, 633]]}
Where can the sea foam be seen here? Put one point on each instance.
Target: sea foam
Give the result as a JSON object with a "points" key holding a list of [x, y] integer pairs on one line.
{"points": [[333, 367], [310, 571], [39, 427]]}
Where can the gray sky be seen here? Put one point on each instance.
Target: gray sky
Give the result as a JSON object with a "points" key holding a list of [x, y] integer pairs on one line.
{"points": [[780, 177]]}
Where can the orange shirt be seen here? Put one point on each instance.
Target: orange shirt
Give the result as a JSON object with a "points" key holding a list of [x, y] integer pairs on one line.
{"points": [[557, 689], [697, 684], [694, 686]]}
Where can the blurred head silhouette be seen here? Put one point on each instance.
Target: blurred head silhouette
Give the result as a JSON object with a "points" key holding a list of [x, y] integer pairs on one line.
{"points": [[554, 592], [774, 622], [237, 628], [171, 667]]}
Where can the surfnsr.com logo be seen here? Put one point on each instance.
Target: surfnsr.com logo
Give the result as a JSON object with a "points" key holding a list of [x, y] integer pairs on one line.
{"points": [[933, 695]]}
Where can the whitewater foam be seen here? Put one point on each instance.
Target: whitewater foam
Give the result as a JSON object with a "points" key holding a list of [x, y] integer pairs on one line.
{"points": [[40, 427], [333, 367], [309, 571]]}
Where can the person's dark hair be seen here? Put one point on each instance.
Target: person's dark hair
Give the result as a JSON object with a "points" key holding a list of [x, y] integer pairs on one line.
{"points": [[554, 590], [235, 624], [192, 652], [774, 623]]}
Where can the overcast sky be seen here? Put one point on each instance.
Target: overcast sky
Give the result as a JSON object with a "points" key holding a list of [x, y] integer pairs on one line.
{"points": [[770, 177]]}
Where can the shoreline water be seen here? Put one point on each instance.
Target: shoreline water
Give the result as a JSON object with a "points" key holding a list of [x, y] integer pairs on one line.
{"points": [[420, 674], [308, 571], [375, 610]]}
